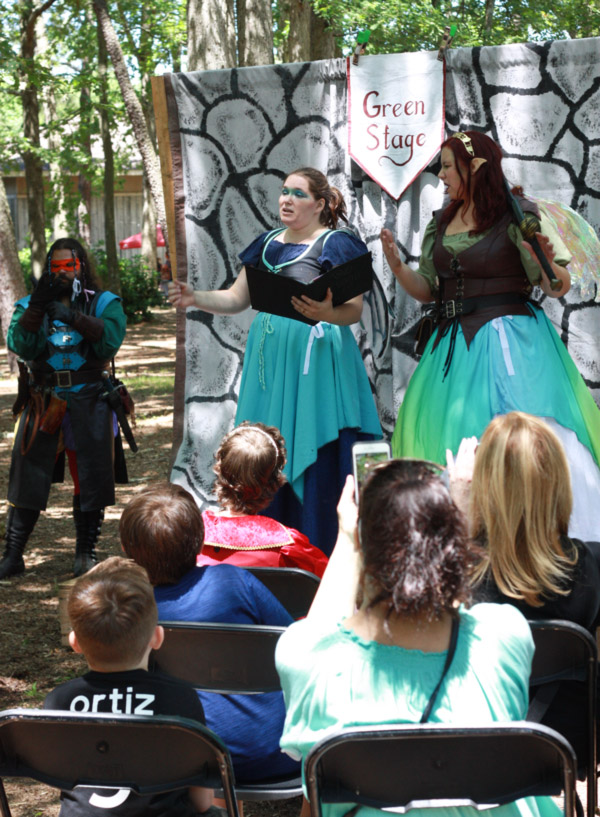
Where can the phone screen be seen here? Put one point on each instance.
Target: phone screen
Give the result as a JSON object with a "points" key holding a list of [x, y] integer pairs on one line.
{"points": [[364, 463]]}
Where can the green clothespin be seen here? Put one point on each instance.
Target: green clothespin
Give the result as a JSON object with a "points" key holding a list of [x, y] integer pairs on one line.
{"points": [[361, 45], [449, 32]]}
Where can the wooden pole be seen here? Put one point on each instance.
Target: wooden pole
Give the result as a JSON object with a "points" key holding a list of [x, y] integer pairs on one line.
{"points": [[159, 99]]}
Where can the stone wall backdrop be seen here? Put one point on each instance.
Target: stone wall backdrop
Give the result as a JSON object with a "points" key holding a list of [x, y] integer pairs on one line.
{"points": [[236, 134]]}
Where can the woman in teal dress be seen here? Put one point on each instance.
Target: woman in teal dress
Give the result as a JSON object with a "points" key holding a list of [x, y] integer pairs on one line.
{"points": [[494, 350], [307, 381], [380, 663]]}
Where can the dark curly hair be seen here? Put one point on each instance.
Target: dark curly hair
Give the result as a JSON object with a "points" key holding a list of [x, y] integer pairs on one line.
{"points": [[87, 276], [416, 553], [485, 188], [249, 465], [335, 206]]}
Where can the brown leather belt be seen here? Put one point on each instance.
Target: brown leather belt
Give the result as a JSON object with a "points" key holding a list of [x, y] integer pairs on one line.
{"points": [[451, 309], [65, 378]]}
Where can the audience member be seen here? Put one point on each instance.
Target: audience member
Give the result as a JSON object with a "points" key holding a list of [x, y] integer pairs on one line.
{"points": [[114, 619], [381, 663], [519, 504], [162, 530], [249, 468]]}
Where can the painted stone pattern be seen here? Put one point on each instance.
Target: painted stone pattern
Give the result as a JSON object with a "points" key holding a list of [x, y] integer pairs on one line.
{"points": [[242, 131]]}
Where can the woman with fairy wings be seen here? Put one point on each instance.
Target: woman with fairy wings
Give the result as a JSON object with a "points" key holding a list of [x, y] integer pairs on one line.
{"points": [[494, 350]]}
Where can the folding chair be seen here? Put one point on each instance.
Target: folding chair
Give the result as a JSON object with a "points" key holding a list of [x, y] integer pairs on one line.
{"points": [[423, 766], [147, 755], [566, 652], [230, 659], [294, 588]]}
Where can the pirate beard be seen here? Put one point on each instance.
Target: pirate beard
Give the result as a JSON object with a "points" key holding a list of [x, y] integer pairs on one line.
{"points": [[62, 285]]}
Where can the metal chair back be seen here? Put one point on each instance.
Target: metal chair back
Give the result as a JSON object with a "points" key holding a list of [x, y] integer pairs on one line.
{"points": [[146, 755], [424, 766]]}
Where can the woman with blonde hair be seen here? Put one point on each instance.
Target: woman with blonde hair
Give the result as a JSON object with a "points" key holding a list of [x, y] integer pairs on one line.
{"points": [[249, 467], [519, 511], [519, 508]]}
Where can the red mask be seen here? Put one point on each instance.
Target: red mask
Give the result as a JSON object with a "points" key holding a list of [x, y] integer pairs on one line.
{"points": [[68, 265]]}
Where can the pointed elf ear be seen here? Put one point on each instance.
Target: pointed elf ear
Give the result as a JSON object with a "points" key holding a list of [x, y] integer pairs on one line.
{"points": [[475, 164]]}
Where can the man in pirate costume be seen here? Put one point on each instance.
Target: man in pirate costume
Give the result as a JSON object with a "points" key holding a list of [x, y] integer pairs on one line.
{"points": [[67, 331]]}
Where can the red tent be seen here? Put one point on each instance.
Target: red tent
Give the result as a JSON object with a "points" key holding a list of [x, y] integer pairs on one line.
{"points": [[134, 242]]}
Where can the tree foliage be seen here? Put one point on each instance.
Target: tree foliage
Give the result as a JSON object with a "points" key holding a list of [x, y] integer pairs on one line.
{"points": [[81, 103], [414, 25]]}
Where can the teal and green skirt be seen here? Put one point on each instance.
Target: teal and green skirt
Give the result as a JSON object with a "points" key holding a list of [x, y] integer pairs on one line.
{"points": [[514, 363]]}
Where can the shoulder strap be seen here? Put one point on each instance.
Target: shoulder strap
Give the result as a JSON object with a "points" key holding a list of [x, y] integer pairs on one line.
{"points": [[317, 244], [101, 301], [327, 235], [449, 657]]}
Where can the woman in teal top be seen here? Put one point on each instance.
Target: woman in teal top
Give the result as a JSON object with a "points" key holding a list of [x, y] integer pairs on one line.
{"points": [[307, 381], [380, 664], [494, 350]]}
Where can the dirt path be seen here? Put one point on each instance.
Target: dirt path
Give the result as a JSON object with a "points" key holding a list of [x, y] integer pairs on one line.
{"points": [[33, 660]]}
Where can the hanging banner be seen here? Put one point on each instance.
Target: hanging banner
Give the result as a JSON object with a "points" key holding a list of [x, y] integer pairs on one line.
{"points": [[396, 116]]}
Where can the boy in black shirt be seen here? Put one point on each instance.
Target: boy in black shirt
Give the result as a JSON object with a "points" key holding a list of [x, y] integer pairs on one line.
{"points": [[114, 619]]}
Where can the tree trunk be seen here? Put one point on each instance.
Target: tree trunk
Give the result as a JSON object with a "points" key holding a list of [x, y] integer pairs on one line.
{"points": [[176, 57], [59, 216], [488, 18], [322, 41], [297, 47], [34, 176], [211, 34], [112, 280], [148, 228], [11, 276], [84, 185], [84, 206], [147, 67], [134, 111], [255, 32], [57, 183]]}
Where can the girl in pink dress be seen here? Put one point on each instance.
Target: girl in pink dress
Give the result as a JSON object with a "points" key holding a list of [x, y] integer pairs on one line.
{"points": [[249, 468]]}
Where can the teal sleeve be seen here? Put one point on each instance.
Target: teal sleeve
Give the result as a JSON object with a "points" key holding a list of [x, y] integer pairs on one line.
{"points": [[115, 325], [426, 267], [27, 345]]}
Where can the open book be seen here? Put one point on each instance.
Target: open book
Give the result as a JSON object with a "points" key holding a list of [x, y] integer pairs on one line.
{"points": [[270, 292]]}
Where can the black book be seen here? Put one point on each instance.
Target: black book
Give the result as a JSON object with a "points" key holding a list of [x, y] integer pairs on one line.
{"points": [[272, 292]]}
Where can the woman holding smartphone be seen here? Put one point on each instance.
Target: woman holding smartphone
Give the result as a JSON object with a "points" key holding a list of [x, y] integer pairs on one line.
{"points": [[307, 381], [390, 637]]}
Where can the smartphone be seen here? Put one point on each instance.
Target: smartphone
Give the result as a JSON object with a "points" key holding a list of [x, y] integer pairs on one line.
{"points": [[366, 456]]}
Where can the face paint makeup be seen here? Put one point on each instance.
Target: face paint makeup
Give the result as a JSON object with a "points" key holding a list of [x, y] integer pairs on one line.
{"points": [[294, 191], [66, 265]]}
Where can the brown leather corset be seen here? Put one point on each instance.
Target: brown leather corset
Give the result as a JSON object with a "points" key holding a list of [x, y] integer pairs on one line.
{"points": [[491, 266]]}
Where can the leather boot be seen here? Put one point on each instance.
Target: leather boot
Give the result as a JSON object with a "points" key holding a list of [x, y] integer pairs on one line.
{"points": [[87, 528], [19, 524]]}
